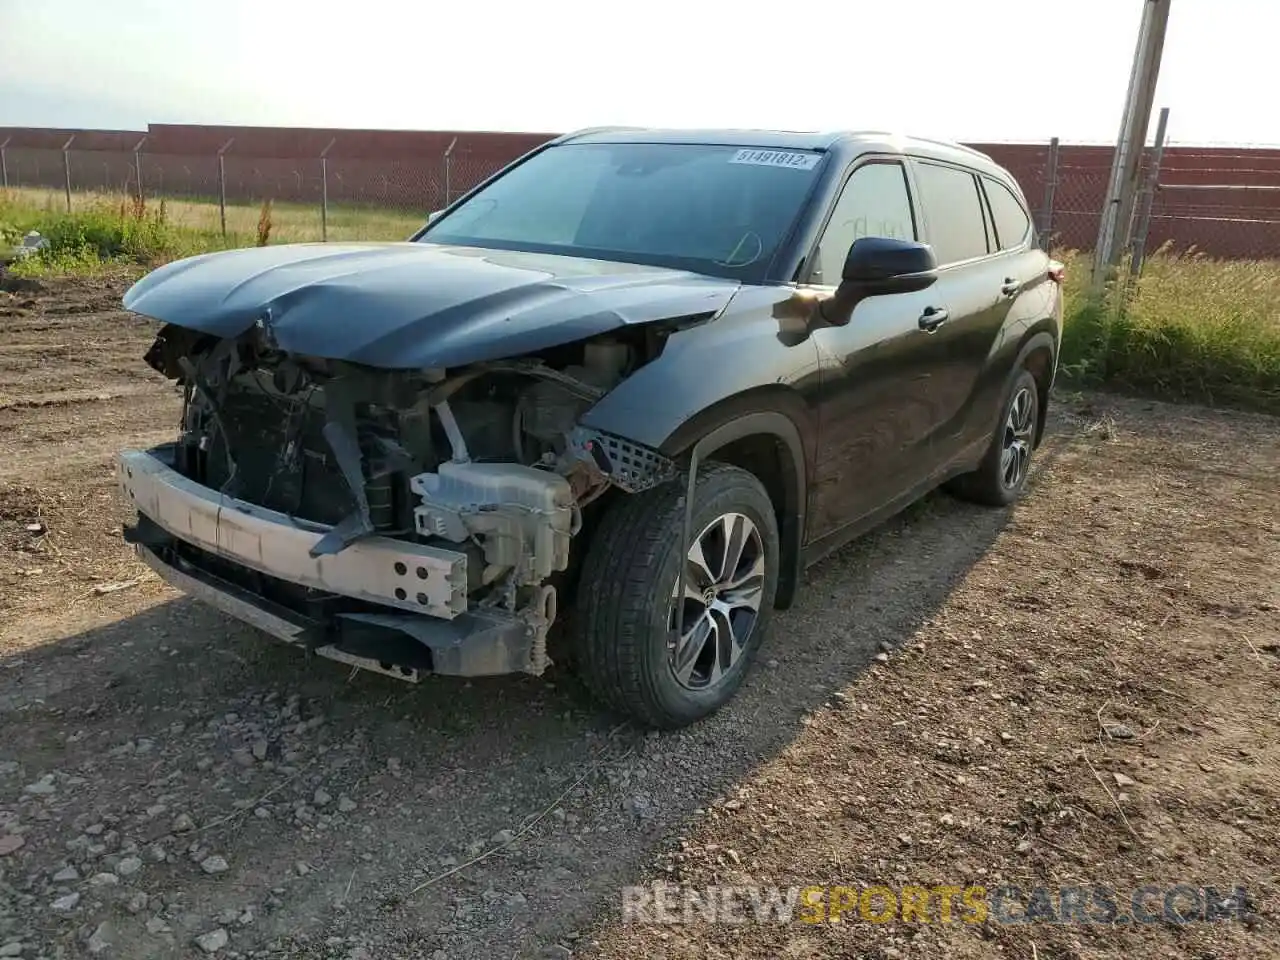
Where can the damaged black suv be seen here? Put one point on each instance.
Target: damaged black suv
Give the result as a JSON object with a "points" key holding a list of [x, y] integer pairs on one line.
{"points": [[643, 376]]}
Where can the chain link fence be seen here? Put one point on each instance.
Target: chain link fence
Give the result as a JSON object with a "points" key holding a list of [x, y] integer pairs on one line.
{"points": [[1071, 210], [1221, 203], [304, 199], [1224, 203]]}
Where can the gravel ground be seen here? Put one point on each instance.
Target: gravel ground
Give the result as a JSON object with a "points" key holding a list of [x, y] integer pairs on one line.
{"points": [[947, 703]]}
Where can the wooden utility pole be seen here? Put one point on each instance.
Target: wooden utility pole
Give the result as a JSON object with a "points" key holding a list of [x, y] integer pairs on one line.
{"points": [[1122, 187]]}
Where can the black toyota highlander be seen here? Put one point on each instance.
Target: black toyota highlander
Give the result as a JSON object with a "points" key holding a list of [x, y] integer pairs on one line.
{"points": [[632, 385]]}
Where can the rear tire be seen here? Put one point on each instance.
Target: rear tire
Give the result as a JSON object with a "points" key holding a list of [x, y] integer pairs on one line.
{"points": [[1002, 475], [625, 631]]}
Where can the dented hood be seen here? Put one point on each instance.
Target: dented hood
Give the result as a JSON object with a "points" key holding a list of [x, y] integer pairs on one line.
{"points": [[416, 305]]}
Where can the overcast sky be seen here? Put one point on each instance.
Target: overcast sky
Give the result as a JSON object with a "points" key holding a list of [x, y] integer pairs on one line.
{"points": [[975, 70]]}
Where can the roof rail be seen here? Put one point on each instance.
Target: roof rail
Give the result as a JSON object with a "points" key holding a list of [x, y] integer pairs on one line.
{"points": [[900, 135], [587, 131], [954, 145]]}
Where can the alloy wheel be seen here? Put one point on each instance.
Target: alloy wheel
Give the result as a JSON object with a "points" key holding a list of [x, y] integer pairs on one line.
{"points": [[720, 593], [1019, 427]]}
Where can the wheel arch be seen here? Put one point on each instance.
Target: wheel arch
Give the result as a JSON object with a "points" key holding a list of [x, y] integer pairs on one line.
{"points": [[769, 444], [1038, 354]]}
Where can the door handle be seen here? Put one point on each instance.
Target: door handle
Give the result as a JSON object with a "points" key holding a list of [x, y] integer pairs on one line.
{"points": [[1011, 286], [933, 318]]}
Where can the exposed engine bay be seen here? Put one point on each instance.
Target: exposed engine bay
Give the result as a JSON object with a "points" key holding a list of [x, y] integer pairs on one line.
{"points": [[488, 459]]}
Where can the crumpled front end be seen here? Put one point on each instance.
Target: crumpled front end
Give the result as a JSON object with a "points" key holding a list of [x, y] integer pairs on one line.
{"points": [[406, 521]]}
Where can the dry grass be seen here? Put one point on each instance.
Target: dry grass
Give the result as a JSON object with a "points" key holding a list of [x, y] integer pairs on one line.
{"points": [[291, 222]]}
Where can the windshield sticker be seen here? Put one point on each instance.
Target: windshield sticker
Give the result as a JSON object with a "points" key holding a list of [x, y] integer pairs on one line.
{"points": [[777, 158]]}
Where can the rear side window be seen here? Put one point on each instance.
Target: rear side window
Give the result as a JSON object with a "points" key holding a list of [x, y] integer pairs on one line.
{"points": [[1012, 221], [953, 210]]}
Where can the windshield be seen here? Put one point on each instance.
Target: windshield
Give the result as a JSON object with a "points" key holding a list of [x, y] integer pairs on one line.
{"points": [[713, 209]]}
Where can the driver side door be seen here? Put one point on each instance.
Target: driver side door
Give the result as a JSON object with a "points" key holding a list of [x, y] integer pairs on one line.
{"points": [[877, 409]]}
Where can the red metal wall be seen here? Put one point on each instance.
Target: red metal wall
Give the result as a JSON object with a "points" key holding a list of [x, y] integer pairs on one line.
{"points": [[407, 169], [1225, 223]]}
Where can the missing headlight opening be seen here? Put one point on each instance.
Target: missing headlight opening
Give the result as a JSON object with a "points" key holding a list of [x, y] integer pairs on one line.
{"points": [[487, 460]]}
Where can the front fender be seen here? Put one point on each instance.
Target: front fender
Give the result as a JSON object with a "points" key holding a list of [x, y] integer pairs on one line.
{"points": [[750, 372], [744, 360]]}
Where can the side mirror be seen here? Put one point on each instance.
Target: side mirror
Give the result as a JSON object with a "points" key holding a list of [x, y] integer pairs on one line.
{"points": [[433, 215], [878, 265]]}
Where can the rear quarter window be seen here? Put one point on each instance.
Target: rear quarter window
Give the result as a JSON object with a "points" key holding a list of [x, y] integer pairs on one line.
{"points": [[1013, 223]]}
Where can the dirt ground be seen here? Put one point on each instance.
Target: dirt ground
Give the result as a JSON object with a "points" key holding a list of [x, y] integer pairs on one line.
{"points": [[1080, 691]]}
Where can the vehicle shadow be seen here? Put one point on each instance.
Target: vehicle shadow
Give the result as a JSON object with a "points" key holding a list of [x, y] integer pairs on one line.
{"points": [[167, 708]]}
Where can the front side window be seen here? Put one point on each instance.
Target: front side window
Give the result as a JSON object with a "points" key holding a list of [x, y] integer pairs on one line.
{"points": [[873, 203], [1012, 221], [953, 210], [721, 210]]}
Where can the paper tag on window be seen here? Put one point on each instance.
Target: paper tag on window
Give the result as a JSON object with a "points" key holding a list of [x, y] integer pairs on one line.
{"points": [[777, 158]]}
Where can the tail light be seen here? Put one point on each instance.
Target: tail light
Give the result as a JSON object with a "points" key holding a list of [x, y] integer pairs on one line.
{"points": [[1057, 272]]}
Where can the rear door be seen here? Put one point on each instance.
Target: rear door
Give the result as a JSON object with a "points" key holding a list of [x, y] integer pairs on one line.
{"points": [[1026, 295], [977, 286]]}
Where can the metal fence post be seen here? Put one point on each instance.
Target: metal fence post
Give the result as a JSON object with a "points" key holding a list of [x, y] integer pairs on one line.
{"points": [[1147, 198], [4, 164], [222, 186], [448, 162], [324, 191], [66, 168], [1050, 188], [137, 170]]}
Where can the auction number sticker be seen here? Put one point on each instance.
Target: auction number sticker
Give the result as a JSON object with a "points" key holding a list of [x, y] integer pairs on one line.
{"points": [[777, 158]]}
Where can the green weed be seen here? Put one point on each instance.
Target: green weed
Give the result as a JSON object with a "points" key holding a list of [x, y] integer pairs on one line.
{"points": [[1190, 328]]}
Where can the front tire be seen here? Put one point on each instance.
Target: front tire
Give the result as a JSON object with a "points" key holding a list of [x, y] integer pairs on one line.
{"points": [[1002, 474], [632, 591]]}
